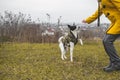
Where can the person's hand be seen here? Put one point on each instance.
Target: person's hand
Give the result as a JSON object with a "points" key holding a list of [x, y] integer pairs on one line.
{"points": [[83, 21]]}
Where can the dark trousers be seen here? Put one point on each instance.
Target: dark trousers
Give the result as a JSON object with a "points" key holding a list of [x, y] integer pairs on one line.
{"points": [[108, 41]]}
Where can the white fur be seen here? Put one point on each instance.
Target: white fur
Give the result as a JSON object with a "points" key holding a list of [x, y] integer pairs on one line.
{"points": [[63, 50], [81, 42]]}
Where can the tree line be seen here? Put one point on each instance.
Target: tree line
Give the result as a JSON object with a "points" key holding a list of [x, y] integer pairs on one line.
{"points": [[20, 28]]}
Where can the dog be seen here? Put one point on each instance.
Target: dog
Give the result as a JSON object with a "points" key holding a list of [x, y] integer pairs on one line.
{"points": [[69, 41]]}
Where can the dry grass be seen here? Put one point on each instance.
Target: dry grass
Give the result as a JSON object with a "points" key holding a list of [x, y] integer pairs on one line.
{"points": [[24, 61]]}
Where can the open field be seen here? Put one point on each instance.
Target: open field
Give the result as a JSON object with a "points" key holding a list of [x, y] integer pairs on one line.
{"points": [[25, 61]]}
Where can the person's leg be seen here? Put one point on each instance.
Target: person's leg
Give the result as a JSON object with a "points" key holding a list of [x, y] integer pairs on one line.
{"points": [[110, 49]]}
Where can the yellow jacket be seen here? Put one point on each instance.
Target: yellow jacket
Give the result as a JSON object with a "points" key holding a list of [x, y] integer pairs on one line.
{"points": [[111, 9]]}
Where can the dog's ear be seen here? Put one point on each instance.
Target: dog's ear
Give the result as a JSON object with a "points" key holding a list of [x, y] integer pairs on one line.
{"points": [[72, 27], [68, 26]]}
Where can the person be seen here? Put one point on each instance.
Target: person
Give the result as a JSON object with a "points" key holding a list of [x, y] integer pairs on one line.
{"points": [[111, 9]]}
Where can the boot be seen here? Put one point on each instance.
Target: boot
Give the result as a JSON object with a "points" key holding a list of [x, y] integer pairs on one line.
{"points": [[110, 64], [113, 67]]}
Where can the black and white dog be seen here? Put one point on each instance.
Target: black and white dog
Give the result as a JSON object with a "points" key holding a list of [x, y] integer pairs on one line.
{"points": [[69, 40]]}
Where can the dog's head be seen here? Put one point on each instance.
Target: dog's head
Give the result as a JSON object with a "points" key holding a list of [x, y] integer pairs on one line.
{"points": [[73, 27]]}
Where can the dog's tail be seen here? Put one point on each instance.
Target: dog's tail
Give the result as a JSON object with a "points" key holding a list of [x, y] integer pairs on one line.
{"points": [[60, 39]]}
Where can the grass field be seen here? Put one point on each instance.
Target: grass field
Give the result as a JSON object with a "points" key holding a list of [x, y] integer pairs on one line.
{"points": [[25, 61]]}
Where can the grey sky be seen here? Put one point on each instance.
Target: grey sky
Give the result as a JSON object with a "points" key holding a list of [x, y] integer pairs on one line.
{"points": [[70, 10]]}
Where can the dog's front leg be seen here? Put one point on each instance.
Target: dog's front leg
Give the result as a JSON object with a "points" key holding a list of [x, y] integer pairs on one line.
{"points": [[71, 51], [81, 42]]}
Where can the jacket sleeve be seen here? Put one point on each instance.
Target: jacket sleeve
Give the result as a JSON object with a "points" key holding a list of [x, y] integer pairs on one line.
{"points": [[93, 17], [116, 3]]}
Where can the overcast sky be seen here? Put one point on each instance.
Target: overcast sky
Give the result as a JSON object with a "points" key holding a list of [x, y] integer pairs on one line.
{"points": [[70, 10]]}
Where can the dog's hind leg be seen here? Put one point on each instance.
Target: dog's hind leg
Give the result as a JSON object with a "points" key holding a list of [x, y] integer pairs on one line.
{"points": [[64, 55], [62, 50], [71, 51], [65, 50]]}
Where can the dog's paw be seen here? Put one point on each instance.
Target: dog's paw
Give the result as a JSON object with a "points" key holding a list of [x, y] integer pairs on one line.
{"points": [[62, 58], [65, 57], [71, 60]]}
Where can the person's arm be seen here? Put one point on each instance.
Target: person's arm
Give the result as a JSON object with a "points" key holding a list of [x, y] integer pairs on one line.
{"points": [[92, 17], [116, 3]]}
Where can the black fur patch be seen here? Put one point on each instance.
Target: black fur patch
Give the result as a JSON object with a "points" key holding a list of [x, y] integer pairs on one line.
{"points": [[72, 27]]}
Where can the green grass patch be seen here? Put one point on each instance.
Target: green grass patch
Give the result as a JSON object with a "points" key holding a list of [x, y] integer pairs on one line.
{"points": [[25, 61]]}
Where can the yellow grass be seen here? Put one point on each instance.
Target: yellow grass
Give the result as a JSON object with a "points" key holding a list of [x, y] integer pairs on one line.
{"points": [[25, 61]]}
